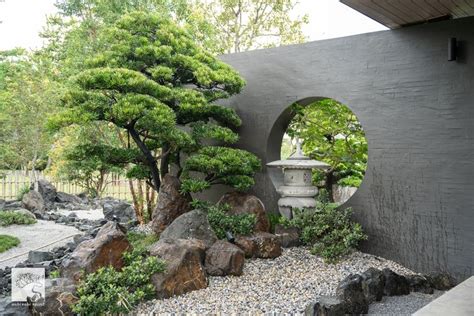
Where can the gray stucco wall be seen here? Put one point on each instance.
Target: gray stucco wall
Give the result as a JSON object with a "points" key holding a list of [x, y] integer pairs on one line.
{"points": [[417, 199]]}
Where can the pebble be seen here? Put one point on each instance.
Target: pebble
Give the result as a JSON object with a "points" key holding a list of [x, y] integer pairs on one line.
{"points": [[284, 285]]}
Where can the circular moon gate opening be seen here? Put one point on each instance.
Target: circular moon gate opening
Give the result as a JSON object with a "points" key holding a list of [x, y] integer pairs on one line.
{"points": [[329, 132]]}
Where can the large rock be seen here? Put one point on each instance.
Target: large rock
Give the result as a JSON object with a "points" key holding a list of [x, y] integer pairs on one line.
{"points": [[260, 245], [105, 249], [36, 256], [48, 192], [33, 201], [2, 204], [184, 266], [395, 284], [350, 291], [373, 282], [60, 296], [63, 197], [12, 205], [25, 212], [326, 306], [224, 258], [117, 210], [191, 225], [441, 281], [243, 203], [171, 203]]}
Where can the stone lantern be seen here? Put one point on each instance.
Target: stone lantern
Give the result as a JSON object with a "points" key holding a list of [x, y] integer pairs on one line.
{"points": [[297, 190]]}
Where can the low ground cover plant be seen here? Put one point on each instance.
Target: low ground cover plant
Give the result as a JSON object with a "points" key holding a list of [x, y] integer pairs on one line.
{"points": [[8, 242], [108, 291], [141, 241], [329, 231], [8, 218]]}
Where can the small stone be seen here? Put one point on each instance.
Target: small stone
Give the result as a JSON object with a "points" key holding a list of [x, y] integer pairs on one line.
{"points": [[373, 282], [419, 283], [441, 281], [39, 256], [326, 306], [395, 284], [350, 291]]}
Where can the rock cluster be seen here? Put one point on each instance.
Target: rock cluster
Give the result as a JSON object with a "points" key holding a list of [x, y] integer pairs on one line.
{"points": [[355, 292]]}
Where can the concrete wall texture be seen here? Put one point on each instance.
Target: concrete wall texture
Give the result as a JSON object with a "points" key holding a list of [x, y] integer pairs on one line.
{"points": [[417, 199]]}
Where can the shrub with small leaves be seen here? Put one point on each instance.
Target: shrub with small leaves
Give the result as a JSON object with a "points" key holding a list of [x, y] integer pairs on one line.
{"points": [[328, 230], [108, 291], [221, 221], [8, 218]]}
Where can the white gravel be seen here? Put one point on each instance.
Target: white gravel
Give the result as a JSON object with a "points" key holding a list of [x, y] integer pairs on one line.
{"points": [[84, 214], [32, 237], [402, 305], [282, 285]]}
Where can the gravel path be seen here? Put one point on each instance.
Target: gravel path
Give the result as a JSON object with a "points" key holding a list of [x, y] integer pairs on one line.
{"points": [[32, 237], [402, 305], [283, 285], [84, 214]]}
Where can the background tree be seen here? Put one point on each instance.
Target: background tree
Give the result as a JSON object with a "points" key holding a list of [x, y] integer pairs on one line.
{"points": [[242, 25], [331, 133], [27, 95], [153, 82]]}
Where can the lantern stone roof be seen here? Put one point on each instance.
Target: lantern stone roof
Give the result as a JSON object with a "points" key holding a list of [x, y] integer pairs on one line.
{"points": [[298, 161]]}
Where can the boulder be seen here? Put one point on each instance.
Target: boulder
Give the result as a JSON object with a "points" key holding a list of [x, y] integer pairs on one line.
{"points": [[191, 225], [289, 237], [118, 210], [171, 203], [25, 213], [260, 245], [248, 246], [441, 281], [105, 249], [48, 192], [373, 282], [62, 197], [395, 284], [224, 258], [184, 266], [326, 306], [33, 201], [39, 256], [60, 296], [419, 283], [350, 291], [243, 203], [2, 204]]}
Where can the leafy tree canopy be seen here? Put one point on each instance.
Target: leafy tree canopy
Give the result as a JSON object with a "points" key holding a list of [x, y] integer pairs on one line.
{"points": [[332, 133], [152, 81]]}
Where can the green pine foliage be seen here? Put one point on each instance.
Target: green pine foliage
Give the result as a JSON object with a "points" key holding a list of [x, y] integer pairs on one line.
{"points": [[329, 231], [8, 242], [159, 88]]}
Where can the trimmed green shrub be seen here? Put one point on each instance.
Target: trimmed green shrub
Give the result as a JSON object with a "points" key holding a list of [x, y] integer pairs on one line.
{"points": [[329, 231], [11, 217], [108, 291], [221, 221], [8, 242]]}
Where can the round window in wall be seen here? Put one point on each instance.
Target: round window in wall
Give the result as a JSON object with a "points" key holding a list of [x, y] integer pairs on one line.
{"points": [[331, 133]]}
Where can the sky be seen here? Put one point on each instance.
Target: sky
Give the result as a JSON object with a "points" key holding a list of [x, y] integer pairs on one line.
{"points": [[22, 20]]}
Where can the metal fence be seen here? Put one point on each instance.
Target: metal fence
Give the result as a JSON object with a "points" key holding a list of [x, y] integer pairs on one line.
{"points": [[13, 182]]}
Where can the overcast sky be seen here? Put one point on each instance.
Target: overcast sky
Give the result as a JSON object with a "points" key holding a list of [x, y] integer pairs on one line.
{"points": [[21, 20]]}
